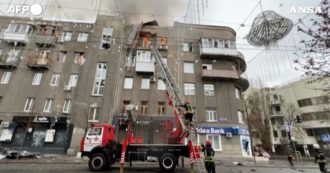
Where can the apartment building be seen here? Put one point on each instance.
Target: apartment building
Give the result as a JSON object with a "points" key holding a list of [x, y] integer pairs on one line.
{"points": [[67, 75], [306, 105]]}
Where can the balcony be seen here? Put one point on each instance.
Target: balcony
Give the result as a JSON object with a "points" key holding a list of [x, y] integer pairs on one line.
{"points": [[17, 33], [277, 114], [145, 67], [225, 75], [220, 74], [47, 35], [38, 63], [9, 61]]}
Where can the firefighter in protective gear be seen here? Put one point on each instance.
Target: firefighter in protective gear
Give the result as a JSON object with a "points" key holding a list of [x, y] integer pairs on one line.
{"points": [[320, 159], [188, 111], [209, 154]]}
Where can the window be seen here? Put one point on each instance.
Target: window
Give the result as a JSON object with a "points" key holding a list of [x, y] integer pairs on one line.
{"points": [[82, 37], [94, 114], [188, 67], [145, 83], [125, 103], [207, 66], [162, 42], [28, 104], [161, 108], [100, 77], [284, 134], [278, 109], [273, 121], [19, 28], [216, 142], [12, 56], [143, 56], [66, 106], [48, 105], [106, 38], [161, 84], [310, 132], [128, 83], [209, 90], [189, 89], [79, 58], [240, 117], [73, 80], [187, 47], [275, 134], [5, 77], [238, 93], [66, 36], [55, 79], [37, 79], [144, 107], [305, 102], [62, 57], [211, 114], [146, 41]]}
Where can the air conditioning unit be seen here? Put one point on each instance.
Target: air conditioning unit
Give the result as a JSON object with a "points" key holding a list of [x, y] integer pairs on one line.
{"points": [[67, 88], [153, 79], [229, 135]]}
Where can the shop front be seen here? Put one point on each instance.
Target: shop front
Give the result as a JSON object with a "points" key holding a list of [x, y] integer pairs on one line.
{"points": [[37, 134], [228, 140]]}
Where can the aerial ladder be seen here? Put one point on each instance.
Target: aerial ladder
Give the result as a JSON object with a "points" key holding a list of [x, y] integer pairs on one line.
{"points": [[175, 99]]}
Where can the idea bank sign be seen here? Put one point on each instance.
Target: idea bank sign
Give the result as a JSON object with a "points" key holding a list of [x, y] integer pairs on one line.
{"points": [[34, 9]]}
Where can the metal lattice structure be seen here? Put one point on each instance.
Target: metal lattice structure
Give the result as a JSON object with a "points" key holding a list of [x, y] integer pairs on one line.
{"points": [[268, 27]]}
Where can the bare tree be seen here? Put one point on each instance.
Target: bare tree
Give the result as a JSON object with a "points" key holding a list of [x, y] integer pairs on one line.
{"points": [[314, 59], [257, 116]]}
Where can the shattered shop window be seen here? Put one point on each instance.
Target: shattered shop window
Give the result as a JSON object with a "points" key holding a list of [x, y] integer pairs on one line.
{"points": [[106, 38]]}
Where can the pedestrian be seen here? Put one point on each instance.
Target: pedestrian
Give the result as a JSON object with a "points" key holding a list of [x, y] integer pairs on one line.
{"points": [[188, 111], [306, 151], [320, 158], [291, 158], [208, 154]]}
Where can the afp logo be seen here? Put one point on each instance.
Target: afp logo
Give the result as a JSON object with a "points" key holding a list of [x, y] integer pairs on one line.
{"points": [[34, 9]]}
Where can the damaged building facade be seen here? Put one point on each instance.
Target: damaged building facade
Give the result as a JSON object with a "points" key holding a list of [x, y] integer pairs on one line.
{"points": [[59, 77]]}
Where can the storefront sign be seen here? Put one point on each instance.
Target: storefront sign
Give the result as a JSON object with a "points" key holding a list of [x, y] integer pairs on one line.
{"points": [[40, 120], [222, 131]]}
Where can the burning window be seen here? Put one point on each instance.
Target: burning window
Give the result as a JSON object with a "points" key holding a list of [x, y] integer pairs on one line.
{"points": [[146, 41], [162, 42], [79, 58]]}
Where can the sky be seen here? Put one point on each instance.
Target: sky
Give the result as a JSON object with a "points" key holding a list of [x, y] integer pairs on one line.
{"points": [[273, 65]]}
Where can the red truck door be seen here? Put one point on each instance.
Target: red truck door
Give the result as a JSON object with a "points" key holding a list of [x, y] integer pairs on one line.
{"points": [[93, 138]]}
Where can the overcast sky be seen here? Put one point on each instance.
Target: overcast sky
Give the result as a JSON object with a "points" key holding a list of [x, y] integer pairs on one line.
{"points": [[273, 66]]}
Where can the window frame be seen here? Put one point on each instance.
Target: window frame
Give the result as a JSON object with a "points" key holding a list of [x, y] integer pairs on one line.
{"points": [[36, 81], [48, 105], [145, 83], [188, 91], [67, 105], [240, 119], [82, 37], [188, 67], [238, 93], [160, 84], [29, 102], [128, 83], [6, 77], [144, 107], [209, 92], [211, 112], [95, 112], [55, 80], [73, 80], [100, 79], [213, 141]]}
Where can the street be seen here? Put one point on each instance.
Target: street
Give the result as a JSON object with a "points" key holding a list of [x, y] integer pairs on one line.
{"points": [[83, 168]]}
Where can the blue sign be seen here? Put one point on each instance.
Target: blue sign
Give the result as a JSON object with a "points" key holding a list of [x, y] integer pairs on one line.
{"points": [[325, 137], [222, 130]]}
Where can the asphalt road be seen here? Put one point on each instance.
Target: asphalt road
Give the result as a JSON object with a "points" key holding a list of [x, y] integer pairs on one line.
{"points": [[82, 168]]}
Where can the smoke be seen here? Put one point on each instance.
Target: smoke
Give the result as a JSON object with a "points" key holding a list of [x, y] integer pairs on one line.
{"points": [[165, 12]]}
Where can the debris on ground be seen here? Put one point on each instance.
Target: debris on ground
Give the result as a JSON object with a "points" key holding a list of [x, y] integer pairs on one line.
{"points": [[6, 153], [238, 163]]}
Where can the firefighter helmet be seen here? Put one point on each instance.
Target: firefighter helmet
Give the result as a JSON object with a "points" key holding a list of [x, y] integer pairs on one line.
{"points": [[208, 142], [187, 101]]}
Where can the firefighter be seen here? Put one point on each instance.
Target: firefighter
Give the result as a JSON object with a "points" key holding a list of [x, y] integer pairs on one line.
{"points": [[208, 154], [320, 159], [188, 111], [291, 158]]}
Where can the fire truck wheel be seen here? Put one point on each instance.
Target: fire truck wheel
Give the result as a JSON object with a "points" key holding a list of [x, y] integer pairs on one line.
{"points": [[167, 162], [98, 162]]}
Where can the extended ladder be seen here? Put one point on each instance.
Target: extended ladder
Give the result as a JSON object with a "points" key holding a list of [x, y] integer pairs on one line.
{"points": [[176, 98]]}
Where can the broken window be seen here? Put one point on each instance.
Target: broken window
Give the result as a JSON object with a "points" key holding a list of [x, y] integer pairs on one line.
{"points": [[62, 56], [187, 47], [146, 41], [162, 43], [106, 38], [79, 58]]}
